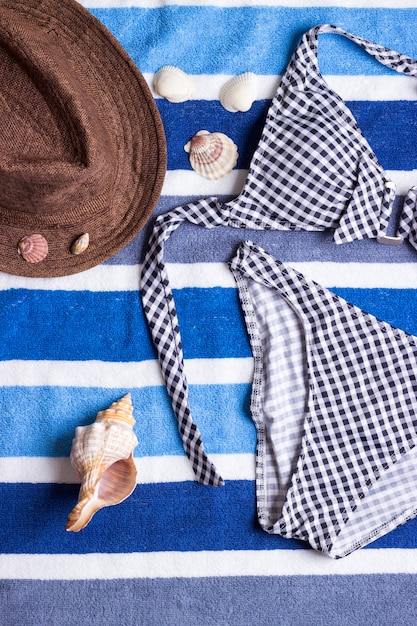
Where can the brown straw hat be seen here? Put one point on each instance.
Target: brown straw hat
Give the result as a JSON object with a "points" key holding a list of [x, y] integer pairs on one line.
{"points": [[82, 146]]}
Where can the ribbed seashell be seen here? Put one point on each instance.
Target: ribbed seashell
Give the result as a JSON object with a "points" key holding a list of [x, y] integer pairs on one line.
{"points": [[33, 248], [173, 84], [239, 93], [212, 155], [81, 244], [102, 455]]}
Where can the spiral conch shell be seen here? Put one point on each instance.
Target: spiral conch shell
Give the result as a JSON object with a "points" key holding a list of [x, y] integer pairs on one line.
{"points": [[212, 155], [239, 93], [102, 455], [173, 84]]}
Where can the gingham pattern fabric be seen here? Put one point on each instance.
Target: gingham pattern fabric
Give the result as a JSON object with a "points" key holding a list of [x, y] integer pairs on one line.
{"points": [[159, 308], [407, 227], [312, 170], [279, 392], [337, 463]]}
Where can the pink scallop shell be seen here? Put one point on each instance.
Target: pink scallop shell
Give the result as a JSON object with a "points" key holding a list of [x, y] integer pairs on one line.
{"points": [[212, 155], [33, 248]]}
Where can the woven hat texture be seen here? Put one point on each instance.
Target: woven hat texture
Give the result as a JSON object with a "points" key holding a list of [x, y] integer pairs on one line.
{"points": [[82, 146]]}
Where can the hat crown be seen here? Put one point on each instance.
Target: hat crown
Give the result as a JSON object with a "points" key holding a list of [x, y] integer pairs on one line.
{"points": [[55, 154], [82, 144]]}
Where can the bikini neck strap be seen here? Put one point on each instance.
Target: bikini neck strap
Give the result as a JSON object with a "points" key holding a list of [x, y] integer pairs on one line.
{"points": [[304, 59]]}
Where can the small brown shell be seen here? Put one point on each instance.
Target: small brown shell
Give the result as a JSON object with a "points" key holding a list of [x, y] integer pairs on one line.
{"points": [[212, 155], [33, 248], [80, 244]]}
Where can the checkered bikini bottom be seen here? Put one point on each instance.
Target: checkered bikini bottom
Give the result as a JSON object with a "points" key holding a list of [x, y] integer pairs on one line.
{"points": [[334, 403]]}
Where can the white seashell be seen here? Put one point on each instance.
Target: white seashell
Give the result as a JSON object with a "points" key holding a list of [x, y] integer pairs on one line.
{"points": [[212, 155], [33, 248], [102, 455], [239, 93], [81, 244], [173, 84]]}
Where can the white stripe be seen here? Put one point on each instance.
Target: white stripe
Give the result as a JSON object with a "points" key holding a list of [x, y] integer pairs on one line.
{"points": [[158, 469], [153, 4], [386, 87], [204, 564], [178, 182], [207, 86], [361, 275], [392, 87], [328, 274], [205, 275], [100, 278], [105, 278], [112, 375]]}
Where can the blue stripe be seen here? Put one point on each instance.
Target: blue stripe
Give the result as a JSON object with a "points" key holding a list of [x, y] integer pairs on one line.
{"points": [[52, 323], [162, 517], [228, 601], [194, 244], [395, 306], [258, 39], [65, 408], [219, 330], [56, 325], [393, 139]]}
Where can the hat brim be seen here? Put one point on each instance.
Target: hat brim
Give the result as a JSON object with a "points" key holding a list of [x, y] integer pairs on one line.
{"points": [[130, 113]]}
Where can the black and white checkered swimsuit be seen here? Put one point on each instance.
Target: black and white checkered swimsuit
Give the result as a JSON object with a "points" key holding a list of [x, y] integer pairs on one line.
{"points": [[334, 393], [334, 400]]}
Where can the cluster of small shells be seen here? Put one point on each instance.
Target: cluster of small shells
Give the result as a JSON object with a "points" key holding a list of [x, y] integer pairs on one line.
{"points": [[237, 94], [34, 248], [212, 155], [102, 456]]}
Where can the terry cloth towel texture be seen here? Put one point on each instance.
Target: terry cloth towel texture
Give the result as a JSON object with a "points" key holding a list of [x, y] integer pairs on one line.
{"points": [[176, 552]]}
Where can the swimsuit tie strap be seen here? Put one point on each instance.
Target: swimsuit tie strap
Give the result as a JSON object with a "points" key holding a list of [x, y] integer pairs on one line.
{"points": [[159, 308]]}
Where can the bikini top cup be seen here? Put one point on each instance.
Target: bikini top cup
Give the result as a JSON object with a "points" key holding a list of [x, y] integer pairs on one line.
{"points": [[312, 170]]}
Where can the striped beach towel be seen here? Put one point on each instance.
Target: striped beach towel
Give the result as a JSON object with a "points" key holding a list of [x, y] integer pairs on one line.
{"points": [[176, 552]]}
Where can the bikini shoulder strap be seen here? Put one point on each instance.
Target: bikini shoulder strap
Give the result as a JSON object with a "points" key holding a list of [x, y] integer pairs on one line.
{"points": [[304, 59]]}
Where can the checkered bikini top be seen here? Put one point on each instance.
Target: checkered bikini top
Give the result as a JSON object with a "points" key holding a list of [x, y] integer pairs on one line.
{"points": [[312, 170]]}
